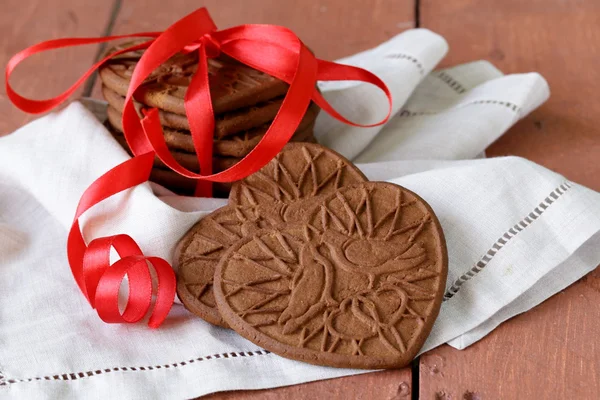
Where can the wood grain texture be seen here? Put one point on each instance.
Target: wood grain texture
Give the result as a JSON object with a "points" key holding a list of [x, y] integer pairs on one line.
{"points": [[551, 352], [387, 385], [332, 29], [24, 23]]}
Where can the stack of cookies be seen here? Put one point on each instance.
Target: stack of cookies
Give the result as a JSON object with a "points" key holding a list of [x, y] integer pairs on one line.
{"points": [[245, 102]]}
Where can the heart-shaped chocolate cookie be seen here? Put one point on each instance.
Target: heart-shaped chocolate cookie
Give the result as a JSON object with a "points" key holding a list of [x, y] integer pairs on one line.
{"points": [[281, 192], [199, 252], [357, 283]]}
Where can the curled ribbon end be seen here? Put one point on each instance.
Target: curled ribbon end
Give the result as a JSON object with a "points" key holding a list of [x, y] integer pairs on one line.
{"points": [[102, 281]]}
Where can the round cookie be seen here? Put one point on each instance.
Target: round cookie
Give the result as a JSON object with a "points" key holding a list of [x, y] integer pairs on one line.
{"points": [[237, 145], [187, 160], [199, 251], [226, 124], [184, 186], [232, 85], [358, 284], [240, 144], [298, 176], [190, 162]]}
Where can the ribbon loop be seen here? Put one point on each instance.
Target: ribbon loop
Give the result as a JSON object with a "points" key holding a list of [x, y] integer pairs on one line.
{"points": [[274, 50]]}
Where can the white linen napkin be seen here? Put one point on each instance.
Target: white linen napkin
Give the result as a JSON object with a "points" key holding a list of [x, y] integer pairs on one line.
{"points": [[516, 232]]}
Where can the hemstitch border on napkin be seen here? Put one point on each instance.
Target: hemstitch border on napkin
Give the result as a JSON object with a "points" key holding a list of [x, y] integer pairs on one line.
{"points": [[506, 237], [408, 57], [451, 82], [509, 105], [4, 381]]}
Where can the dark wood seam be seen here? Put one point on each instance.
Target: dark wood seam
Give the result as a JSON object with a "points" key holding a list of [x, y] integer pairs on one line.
{"points": [[110, 24]]}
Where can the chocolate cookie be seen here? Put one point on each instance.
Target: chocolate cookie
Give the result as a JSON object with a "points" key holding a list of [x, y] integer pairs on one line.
{"points": [[187, 160], [199, 251], [299, 174], [225, 124], [182, 185], [232, 85], [283, 209], [357, 284], [237, 145]]}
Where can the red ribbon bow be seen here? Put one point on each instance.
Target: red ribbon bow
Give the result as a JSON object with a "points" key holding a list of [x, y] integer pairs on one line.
{"points": [[274, 50]]}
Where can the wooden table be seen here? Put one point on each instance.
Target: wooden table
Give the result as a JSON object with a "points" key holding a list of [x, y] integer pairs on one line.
{"points": [[550, 352]]}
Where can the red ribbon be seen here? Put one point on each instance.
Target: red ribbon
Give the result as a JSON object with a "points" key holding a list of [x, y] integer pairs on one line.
{"points": [[272, 49]]}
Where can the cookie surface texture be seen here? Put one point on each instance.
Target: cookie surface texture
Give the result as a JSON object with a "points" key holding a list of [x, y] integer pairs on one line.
{"points": [[314, 162], [358, 284], [297, 176], [238, 145], [199, 251]]}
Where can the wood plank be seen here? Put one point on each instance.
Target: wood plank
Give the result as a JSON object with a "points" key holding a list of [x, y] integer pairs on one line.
{"points": [[24, 23], [551, 351], [332, 29], [392, 385]]}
